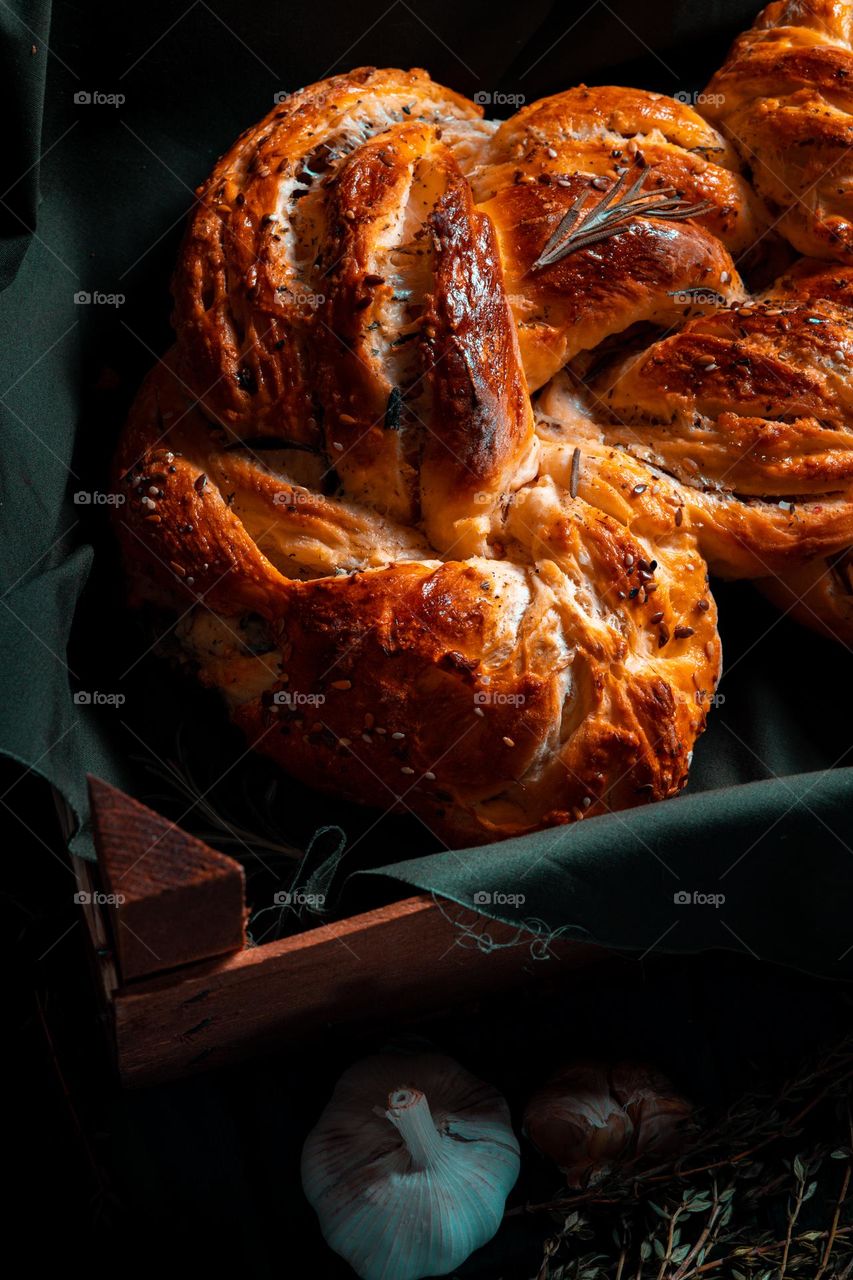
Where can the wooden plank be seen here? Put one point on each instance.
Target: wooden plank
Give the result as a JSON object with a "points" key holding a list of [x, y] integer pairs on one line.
{"points": [[87, 897], [171, 899], [101, 944], [398, 962], [404, 959]]}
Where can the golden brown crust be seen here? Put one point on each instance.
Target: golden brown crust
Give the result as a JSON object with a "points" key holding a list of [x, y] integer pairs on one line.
{"points": [[603, 130], [247, 282], [653, 272], [416, 586], [750, 409], [819, 593], [490, 696], [785, 99]]}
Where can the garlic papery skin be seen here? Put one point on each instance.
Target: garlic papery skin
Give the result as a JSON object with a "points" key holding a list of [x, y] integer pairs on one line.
{"points": [[576, 1121], [591, 1118], [409, 1166]]}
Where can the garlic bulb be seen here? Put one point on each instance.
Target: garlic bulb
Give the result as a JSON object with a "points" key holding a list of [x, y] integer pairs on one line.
{"points": [[409, 1166], [591, 1119]]}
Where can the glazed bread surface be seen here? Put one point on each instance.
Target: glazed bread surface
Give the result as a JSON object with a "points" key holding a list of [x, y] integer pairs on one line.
{"points": [[434, 509]]}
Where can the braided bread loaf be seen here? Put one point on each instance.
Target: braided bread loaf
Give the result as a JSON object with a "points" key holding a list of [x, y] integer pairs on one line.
{"points": [[818, 593], [785, 99], [417, 582]]}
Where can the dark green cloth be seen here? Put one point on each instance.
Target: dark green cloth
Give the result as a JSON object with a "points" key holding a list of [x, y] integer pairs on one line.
{"points": [[768, 820]]}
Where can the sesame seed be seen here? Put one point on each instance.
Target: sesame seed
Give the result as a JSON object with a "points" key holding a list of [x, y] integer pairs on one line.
{"points": [[478, 711], [725, 277], [365, 737], [586, 802], [344, 742], [406, 769], [338, 446], [638, 489], [681, 633], [509, 742], [341, 684], [398, 736]]}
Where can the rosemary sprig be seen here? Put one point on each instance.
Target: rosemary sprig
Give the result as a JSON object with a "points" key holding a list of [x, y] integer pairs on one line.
{"points": [[586, 224]]}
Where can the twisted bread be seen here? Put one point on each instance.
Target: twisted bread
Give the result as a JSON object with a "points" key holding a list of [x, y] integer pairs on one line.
{"points": [[415, 584], [568, 675], [785, 99], [818, 593], [751, 410]]}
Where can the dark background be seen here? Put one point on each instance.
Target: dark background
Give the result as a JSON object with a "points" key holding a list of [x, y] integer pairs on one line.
{"points": [[205, 1172]]}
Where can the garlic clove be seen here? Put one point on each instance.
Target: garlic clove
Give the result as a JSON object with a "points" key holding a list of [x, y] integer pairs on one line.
{"points": [[661, 1117], [591, 1119], [577, 1122], [409, 1166]]}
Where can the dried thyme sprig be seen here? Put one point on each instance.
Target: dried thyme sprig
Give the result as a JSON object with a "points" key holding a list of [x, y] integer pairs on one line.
{"points": [[586, 224], [720, 1211]]}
